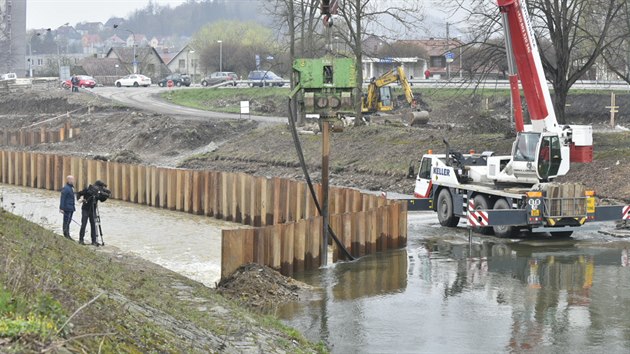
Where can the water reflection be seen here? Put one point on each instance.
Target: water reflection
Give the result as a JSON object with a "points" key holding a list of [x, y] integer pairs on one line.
{"points": [[492, 297]]}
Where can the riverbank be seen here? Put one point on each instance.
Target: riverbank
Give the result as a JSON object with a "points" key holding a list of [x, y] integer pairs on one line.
{"points": [[59, 294]]}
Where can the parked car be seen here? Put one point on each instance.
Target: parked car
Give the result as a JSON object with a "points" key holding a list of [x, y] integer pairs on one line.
{"points": [[84, 81], [178, 80], [134, 80], [8, 76], [219, 77], [263, 76]]}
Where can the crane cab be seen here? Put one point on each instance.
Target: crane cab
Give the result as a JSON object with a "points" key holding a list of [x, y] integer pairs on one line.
{"points": [[536, 157]]}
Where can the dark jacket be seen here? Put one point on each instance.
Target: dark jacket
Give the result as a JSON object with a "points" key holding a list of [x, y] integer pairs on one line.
{"points": [[90, 200], [67, 198]]}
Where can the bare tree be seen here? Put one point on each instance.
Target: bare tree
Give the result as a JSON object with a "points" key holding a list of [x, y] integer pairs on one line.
{"points": [[362, 18], [572, 35], [579, 31], [617, 57]]}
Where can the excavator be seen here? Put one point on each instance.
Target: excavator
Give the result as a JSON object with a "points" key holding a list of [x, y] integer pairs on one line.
{"points": [[380, 98]]}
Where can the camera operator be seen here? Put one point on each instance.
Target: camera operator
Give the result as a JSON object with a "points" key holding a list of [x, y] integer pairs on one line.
{"points": [[89, 198]]}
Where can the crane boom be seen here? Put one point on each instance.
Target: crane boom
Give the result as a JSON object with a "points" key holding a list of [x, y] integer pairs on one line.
{"points": [[522, 43]]}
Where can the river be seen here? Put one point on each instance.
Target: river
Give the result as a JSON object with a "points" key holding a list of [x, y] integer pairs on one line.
{"points": [[442, 295], [184, 243], [438, 295]]}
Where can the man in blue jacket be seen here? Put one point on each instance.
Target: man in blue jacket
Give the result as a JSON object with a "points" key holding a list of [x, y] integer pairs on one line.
{"points": [[66, 206]]}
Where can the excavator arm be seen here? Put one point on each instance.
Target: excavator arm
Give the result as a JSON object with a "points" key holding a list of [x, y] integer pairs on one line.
{"points": [[371, 100]]}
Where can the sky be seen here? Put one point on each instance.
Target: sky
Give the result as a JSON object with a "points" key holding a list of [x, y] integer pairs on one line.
{"points": [[54, 13]]}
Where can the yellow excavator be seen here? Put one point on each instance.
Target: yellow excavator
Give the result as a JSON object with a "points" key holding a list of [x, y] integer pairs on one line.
{"points": [[380, 98]]}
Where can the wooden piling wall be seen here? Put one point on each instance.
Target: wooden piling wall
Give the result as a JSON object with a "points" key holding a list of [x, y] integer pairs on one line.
{"points": [[285, 232], [35, 136]]}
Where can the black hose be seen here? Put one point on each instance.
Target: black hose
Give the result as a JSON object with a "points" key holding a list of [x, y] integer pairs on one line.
{"points": [[309, 182]]}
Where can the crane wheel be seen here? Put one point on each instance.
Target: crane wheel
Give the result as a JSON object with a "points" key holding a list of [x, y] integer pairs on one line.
{"points": [[445, 209], [482, 203], [504, 231]]}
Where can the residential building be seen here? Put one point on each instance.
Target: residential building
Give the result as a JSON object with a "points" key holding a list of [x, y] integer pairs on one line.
{"points": [[149, 61], [92, 44], [105, 71], [114, 21], [437, 49], [115, 41], [372, 45], [414, 67], [89, 27], [48, 64], [154, 42], [139, 40], [186, 61]]}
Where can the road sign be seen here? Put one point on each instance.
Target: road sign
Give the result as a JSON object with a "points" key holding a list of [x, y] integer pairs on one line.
{"points": [[244, 108], [450, 56], [170, 83]]}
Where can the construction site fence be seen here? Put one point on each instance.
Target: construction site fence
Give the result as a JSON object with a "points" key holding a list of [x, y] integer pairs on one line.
{"points": [[285, 230]]}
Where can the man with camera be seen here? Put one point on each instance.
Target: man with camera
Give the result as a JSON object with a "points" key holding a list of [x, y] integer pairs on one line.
{"points": [[89, 198], [66, 205]]}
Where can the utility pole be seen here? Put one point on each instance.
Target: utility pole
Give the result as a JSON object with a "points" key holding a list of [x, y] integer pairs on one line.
{"points": [[448, 49], [220, 55]]}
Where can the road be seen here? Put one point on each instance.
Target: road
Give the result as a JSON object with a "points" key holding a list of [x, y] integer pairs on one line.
{"points": [[148, 99]]}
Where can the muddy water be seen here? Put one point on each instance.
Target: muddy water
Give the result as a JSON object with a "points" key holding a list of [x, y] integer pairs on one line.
{"points": [[184, 243], [442, 295]]}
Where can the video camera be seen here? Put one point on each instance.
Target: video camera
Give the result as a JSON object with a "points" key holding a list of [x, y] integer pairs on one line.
{"points": [[98, 191]]}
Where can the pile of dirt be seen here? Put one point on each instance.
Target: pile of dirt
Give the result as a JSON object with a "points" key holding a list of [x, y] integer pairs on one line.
{"points": [[127, 156], [259, 287], [39, 101]]}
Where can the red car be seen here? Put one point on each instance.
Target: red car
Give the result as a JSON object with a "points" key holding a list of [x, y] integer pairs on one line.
{"points": [[84, 81]]}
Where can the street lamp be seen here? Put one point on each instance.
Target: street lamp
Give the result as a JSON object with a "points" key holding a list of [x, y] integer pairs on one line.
{"points": [[194, 66], [30, 54], [220, 55], [133, 36]]}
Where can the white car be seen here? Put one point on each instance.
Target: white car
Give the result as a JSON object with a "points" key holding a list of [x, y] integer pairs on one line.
{"points": [[134, 80], [9, 76]]}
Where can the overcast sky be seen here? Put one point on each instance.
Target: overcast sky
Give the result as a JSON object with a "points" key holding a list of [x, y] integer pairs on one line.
{"points": [[54, 13]]}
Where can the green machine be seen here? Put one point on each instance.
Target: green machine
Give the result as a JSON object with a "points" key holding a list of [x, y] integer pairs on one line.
{"points": [[325, 86]]}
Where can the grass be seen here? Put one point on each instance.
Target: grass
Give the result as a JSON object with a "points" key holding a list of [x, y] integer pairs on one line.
{"points": [[228, 99], [611, 145], [44, 278]]}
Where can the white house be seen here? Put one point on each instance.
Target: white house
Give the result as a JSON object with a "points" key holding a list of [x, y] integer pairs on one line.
{"points": [[186, 61]]}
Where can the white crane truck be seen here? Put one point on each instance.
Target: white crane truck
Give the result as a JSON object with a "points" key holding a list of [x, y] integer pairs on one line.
{"points": [[508, 194]]}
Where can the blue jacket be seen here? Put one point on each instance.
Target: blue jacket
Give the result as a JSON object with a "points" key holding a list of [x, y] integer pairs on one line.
{"points": [[67, 198]]}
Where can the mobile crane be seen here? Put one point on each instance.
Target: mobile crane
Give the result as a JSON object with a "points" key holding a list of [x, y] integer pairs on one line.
{"points": [[506, 194]]}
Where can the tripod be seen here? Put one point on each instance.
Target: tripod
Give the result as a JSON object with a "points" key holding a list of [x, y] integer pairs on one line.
{"points": [[97, 221]]}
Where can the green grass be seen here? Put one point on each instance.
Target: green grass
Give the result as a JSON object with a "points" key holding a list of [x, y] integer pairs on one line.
{"points": [[611, 145], [228, 99], [44, 277]]}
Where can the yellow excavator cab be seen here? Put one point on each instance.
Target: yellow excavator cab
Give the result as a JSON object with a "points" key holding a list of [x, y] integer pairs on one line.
{"points": [[379, 96]]}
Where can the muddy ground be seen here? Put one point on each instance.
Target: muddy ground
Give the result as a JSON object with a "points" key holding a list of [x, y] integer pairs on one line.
{"points": [[374, 157], [113, 131]]}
